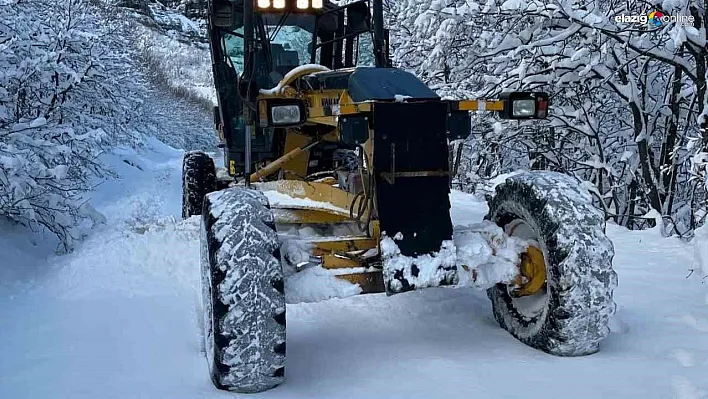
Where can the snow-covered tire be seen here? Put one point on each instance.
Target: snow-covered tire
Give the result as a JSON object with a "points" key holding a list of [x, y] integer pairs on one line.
{"points": [[573, 317], [242, 292], [198, 180]]}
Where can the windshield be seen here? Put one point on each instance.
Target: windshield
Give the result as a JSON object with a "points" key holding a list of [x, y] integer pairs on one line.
{"points": [[233, 49], [289, 37], [289, 47]]}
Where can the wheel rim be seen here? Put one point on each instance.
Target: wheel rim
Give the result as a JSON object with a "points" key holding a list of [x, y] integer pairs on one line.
{"points": [[529, 296]]}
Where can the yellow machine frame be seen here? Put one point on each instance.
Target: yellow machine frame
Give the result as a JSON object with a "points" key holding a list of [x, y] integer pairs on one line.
{"points": [[328, 204]]}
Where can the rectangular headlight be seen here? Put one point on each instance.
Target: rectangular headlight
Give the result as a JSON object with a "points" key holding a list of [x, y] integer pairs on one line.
{"points": [[285, 114], [316, 3], [524, 108], [263, 3], [302, 4], [523, 105]]}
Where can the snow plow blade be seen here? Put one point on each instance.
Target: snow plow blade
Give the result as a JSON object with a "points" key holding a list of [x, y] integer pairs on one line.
{"points": [[412, 179]]}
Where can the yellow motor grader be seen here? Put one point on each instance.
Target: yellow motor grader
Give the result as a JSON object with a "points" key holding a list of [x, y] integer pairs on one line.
{"points": [[318, 130]]}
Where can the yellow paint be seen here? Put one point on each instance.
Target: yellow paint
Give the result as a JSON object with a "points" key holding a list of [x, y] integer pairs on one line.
{"points": [[333, 200], [232, 167], [328, 180], [297, 165], [332, 261], [332, 136], [345, 98], [262, 173], [375, 230], [533, 269], [474, 105], [324, 120], [345, 245], [263, 113]]}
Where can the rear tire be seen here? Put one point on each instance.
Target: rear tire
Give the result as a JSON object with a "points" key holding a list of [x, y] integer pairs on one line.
{"points": [[572, 319], [242, 292], [198, 180]]}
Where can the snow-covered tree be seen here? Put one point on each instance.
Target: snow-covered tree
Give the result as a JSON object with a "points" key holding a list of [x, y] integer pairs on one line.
{"points": [[628, 98], [66, 92]]}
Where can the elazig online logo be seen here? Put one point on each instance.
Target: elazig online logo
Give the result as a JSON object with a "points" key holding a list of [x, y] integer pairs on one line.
{"points": [[655, 18]]}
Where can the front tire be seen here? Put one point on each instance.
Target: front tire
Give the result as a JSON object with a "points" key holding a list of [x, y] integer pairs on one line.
{"points": [[570, 316], [198, 180], [242, 291]]}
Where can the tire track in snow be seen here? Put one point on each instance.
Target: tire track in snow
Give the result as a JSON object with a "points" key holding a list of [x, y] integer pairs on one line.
{"points": [[683, 386], [697, 323], [684, 389], [683, 357]]}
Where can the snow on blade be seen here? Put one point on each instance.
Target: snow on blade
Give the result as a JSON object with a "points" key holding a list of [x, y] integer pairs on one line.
{"points": [[280, 200], [485, 249], [431, 268], [312, 283], [295, 251], [479, 255]]}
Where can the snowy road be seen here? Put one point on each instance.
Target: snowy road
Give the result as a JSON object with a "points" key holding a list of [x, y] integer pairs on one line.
{"points": [[117, 319]]}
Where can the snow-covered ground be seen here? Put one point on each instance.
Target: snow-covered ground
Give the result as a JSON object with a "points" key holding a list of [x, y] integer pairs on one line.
{"points": [[118, 319]]}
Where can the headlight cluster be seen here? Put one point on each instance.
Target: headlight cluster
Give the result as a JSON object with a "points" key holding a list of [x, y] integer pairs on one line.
{"points": [[281, 4], [285, 114], [524, 105], [524, 108]]}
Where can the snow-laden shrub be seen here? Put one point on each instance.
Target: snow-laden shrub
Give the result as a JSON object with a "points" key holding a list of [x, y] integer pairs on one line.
{"points": [[66, 92]]}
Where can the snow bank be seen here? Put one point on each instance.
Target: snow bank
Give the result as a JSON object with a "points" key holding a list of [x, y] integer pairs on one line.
{"points": [[316, 284], [700, 250], [24, 254]]}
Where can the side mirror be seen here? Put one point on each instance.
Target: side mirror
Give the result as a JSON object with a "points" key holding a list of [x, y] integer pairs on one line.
{"points": [[524, 105], [281, 112], [359, 17]]}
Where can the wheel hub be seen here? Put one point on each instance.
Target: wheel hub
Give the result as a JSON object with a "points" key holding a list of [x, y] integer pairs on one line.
{"points": [[532, 277]]}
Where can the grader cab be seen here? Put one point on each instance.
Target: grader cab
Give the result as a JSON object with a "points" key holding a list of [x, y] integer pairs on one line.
{"points": [[318, 130]]}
